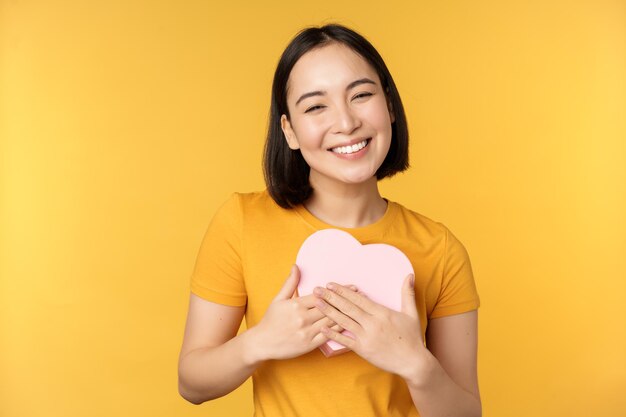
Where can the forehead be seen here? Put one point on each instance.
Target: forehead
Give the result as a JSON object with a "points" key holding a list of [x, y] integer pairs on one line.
{"points": [[333, 65]]}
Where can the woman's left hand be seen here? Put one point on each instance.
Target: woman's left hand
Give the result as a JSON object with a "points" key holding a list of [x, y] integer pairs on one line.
{"points": [[386, 338]]}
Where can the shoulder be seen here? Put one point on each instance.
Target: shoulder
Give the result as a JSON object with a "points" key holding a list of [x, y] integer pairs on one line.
{"points": [[254, 208], [452, 287], [240, 202], [256, 203], [253, 199], [431, 235], [417, 223]]}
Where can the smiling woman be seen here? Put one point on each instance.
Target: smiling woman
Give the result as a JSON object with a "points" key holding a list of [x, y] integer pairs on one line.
{"points": [[347, 118], [337, 126]]}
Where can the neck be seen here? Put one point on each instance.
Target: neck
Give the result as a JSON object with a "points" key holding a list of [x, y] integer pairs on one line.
{"points": [[346, 205]]}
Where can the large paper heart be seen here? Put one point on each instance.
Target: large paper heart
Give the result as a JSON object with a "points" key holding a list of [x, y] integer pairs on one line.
{"points": [[377, 269]]}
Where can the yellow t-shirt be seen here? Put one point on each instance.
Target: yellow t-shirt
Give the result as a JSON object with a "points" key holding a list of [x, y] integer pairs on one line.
{"points": [[244, 259]]}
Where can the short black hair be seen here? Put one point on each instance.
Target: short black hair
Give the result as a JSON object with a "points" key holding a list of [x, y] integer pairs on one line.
{"points": [[285, 170]]}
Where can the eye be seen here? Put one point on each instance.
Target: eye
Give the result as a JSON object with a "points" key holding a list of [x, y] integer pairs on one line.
{"points": [[313, 108], [361, 95]]}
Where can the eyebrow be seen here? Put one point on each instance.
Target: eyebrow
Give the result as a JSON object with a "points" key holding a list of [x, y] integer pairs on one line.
{"points": [[350, 86]]}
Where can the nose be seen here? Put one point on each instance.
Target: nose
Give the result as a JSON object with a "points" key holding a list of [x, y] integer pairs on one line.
{"points": [[346, 120]]}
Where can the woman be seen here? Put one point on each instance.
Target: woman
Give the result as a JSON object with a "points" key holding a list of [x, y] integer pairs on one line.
{"points": [[337, 126]]}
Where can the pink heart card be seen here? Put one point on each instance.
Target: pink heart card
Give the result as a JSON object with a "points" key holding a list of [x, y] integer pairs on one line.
{"points": [[332, 255]]}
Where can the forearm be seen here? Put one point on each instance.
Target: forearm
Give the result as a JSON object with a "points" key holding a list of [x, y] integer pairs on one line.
{"points": [[434, 393], [208, 373]]}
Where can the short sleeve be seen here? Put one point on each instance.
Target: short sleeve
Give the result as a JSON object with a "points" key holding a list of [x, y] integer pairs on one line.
{"points": [[218, 272], [458, 289]]}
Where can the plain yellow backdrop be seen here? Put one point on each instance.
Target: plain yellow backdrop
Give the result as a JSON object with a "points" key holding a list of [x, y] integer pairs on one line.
{"points": [[124, 124]]}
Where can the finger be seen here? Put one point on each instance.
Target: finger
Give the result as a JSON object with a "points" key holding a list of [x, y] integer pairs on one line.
{"points": [[339, 337], [338, 317], [318, 340], [310, 299], [290, 285], [327, 322], [337, 328], [313, 315], [341, 298], [356, 298], [339, 303], [408, 296]]}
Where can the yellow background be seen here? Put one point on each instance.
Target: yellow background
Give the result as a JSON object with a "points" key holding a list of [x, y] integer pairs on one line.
{"points": [[124, 124]]}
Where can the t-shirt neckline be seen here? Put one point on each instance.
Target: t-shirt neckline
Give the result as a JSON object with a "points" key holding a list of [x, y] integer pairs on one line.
{"points": [[370, 232]]}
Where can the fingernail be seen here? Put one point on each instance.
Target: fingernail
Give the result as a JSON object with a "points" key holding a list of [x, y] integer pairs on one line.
{"points": [[330, 286], [318, 291]]}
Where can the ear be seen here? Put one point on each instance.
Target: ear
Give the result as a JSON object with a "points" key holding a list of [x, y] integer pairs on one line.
{"points": [[290, 135]]}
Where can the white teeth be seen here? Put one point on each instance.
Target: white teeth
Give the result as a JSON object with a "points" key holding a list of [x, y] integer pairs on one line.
{"points": [[350, 149]]}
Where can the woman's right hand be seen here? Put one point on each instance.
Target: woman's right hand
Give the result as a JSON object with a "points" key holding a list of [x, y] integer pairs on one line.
{"points": [[291, 325]]}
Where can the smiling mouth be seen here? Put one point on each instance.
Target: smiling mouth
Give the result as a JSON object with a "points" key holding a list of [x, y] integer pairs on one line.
{"points": [[346, 150]]}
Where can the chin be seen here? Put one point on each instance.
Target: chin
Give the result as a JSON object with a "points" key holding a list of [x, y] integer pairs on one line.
{"points": [[358, 179], [348, 177]]}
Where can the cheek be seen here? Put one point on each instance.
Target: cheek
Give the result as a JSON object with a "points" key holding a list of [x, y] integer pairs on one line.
{"points": [[309, 132], [379, 117]]}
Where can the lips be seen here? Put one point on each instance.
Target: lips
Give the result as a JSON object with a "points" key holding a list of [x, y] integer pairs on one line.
{"points": [[351, 147]]}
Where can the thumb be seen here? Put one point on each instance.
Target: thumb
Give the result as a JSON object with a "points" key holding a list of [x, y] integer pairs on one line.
{"points": [[408, 296], [290, 285]]}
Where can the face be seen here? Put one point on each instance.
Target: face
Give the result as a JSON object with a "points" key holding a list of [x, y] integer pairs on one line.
{"points": [[340, 117]]}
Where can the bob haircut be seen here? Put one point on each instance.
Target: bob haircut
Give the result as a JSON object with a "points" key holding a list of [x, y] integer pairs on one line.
{"points": [[285, 170]]}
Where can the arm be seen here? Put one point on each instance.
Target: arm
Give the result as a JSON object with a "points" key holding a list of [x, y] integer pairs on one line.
{"points": [[442, 381], [447, 383], [214, 360]]}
